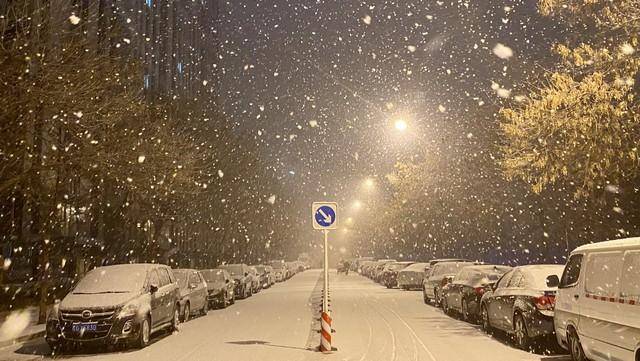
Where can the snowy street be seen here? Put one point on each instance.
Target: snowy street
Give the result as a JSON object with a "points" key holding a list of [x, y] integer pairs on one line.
{"points": [[371, 323]]}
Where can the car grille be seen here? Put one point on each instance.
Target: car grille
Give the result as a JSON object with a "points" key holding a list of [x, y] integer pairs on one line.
{"points": [[103, 319]]}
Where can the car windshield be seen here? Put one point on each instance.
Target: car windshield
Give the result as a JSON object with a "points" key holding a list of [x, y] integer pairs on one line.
{"points": [[213, 275], [334, 141], [234, 269], [449, 268], [117, 279]]}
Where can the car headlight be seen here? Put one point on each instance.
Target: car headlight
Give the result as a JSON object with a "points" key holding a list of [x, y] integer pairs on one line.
{"points": [[130, 309]]}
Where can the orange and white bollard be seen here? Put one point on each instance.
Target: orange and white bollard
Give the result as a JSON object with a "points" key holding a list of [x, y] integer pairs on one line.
{"points": [[325, 331]]}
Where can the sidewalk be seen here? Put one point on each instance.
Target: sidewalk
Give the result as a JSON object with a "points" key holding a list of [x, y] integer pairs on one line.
{"points": [[20, 325]]}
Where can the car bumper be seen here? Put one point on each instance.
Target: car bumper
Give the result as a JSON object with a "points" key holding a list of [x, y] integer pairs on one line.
{"points": [[216, 297], [120, 330], [539, 325]]}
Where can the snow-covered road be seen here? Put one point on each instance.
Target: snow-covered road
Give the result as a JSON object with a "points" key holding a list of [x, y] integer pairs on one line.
{"points": [[371, 323]]}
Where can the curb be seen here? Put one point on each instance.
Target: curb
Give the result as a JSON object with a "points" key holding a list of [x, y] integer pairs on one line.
{"points": [[22, 339]]}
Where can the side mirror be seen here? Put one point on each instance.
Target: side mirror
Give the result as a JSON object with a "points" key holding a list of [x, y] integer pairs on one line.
{"points": [[246, 274], [226, 280], [153, 288], [553, 281]]}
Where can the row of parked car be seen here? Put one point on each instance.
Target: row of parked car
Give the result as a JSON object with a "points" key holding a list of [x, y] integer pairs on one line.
{"points": [[127, 303], [590, 306]]}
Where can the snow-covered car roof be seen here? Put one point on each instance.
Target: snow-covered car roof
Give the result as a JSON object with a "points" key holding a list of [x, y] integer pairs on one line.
{"points": [[618, 243]]}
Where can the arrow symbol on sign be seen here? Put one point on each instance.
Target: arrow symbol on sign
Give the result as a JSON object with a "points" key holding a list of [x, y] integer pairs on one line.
{"points": [[327, 219]]}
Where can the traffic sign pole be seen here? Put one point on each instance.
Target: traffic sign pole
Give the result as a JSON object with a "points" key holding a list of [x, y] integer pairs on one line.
{"points": [[324, 216], [325, 295]]}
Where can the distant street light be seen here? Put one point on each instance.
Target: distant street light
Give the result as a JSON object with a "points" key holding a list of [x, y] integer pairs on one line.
{"points": [[369, 183], [401, 125], [356, 205]]}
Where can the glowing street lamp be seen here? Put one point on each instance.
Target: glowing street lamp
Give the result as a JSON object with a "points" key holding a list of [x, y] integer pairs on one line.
{"points": [[401, 125], [356, 205]]}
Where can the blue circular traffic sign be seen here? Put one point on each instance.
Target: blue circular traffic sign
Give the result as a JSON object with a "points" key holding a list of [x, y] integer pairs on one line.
{"points": [[325, 216]]}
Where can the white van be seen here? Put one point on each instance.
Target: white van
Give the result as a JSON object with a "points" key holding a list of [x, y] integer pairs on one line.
{"points": [[597, 315]]}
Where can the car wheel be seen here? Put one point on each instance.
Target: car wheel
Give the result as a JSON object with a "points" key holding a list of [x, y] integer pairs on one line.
{"points": [[520, 333], [465, 311], [425, 298], [486, 323], [445, 306], [145, 333], [187, 312], [436, 298], [205, 308], [175, 322], [577, 353]]}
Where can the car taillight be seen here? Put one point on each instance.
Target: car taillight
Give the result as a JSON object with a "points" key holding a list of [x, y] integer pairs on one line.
{"points": [[546, 302], [479, 291]]}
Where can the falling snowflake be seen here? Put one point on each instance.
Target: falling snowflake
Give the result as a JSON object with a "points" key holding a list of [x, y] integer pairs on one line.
{"points": [[220, 173], [73, 19], [411, 48], [141, 159], [313, 123], [367, 20], [271, 199], [502, 51]]}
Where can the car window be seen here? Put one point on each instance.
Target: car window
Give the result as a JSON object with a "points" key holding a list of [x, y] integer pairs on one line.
{"points": [[630, 284], [603, 273], [571, 272], [516, 279], [194, 279], [163, 275], [153, 278], [504, 281]]}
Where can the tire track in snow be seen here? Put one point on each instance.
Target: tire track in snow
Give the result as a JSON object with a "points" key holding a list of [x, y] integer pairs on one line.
{"points": [[413, 333]]}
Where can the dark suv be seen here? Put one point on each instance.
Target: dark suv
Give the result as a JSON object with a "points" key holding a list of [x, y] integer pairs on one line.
{"points": [[116, 304], [242, 278]]}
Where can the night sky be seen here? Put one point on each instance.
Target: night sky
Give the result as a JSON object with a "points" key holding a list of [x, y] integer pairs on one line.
{"points": [[317, 85]]}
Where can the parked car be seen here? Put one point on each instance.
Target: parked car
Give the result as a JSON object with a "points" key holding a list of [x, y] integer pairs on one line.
{"points": [[116, 304], [376, 272], [193, 293], [389, 275], [596, 314], [256, 283], [271, 275], [357, 264], [242, 279], [280, 270], [263, 275], [220, 286], [521, 303], [439, 275], [410, 278], [465, 291], [292, 269]]}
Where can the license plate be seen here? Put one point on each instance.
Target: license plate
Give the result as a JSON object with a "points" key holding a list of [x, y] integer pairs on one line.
{"points": [[84, 327]]}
